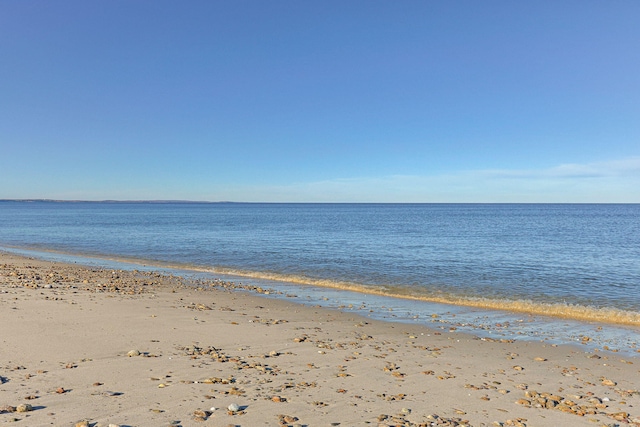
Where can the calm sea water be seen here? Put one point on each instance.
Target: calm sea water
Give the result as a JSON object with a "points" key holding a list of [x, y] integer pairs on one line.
{"points": [[562, 260]]}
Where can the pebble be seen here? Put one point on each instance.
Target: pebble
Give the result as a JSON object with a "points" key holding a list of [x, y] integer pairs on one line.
{"points": [[199, 415], [25, 407], [233, 407], [133, 353], [287, 419]]}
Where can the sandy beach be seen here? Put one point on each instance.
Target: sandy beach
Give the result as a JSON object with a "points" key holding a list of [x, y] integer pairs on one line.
{"points": [[96, 347]]}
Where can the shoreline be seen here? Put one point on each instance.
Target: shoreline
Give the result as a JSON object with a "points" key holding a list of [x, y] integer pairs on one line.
{"points": [[495, 322], [138, 348], [556, 310]]}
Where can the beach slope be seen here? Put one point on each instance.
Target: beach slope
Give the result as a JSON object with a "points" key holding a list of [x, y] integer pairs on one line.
{"points": [[131, 348]]}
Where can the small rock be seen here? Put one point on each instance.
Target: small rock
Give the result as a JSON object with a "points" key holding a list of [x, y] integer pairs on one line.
{"points": [[620, 416], [200, 415], [233, 407], [287, 419], [25, 407], [82, 424], [133, 353]]}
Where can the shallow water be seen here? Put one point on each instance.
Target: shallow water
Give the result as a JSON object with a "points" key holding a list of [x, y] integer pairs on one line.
{"points": [[487, 324], [567, 261]]}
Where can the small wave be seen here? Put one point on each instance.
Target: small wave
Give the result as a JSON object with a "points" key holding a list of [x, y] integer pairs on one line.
{"points": [[557, 310]]}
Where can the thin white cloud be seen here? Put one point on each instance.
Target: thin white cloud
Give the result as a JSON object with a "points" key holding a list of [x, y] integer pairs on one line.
{"points": [[615, 181], [599, 182], [624, 167]]}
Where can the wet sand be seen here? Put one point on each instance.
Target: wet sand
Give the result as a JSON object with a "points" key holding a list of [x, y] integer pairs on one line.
{"points": [[130, 348]]}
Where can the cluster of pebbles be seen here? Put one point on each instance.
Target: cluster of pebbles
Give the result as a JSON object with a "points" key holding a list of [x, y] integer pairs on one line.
{"points": [[125, 282], [577, 405], [24, 407], [96, 280], [433, 420]]}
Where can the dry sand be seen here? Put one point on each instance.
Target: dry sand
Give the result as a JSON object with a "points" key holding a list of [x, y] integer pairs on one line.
{"points": [[70, 338]]}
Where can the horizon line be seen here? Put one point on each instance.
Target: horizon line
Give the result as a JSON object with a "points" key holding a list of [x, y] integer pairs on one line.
{"points": [[180, 201]]}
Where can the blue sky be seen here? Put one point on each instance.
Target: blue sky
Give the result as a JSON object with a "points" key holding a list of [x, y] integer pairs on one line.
{"points": [[346, 101]]}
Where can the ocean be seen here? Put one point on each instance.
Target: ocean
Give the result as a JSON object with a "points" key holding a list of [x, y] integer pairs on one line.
{"points": [[556, 272]]}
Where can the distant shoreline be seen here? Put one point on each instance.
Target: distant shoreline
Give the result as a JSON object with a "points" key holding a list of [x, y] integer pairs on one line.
{"points": [[116, 201], [205, 202]]}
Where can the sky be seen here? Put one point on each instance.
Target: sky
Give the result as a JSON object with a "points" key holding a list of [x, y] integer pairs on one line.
{"points": [[320, 101]]}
